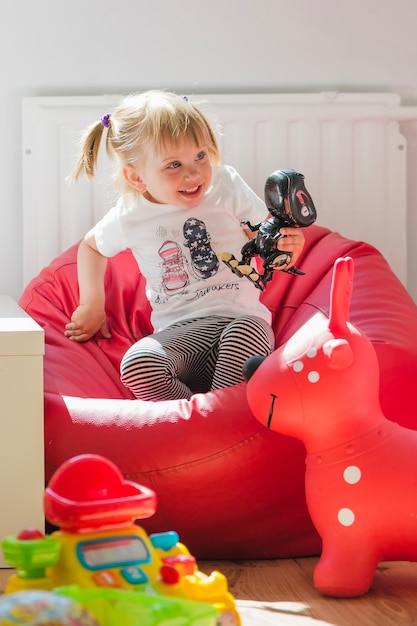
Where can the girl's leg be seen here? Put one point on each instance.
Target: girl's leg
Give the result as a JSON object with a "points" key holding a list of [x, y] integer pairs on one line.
{"points": [[174, 363], [242, 338]]}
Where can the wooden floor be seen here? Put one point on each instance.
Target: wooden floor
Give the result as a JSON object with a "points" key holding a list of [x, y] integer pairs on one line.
{"points": [[281, 593], [288, 585]]}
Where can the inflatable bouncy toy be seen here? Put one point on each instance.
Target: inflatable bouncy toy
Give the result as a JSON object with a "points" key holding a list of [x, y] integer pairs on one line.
{"points": [[322, 387], [103, 560]]}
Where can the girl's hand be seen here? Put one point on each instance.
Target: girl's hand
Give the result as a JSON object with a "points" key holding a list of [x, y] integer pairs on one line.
{"points": [[86, 321], [292, 242]]}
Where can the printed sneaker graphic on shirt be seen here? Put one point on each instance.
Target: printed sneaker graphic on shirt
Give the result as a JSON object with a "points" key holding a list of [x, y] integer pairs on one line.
{"points": [[204, 260], [174, 275]]}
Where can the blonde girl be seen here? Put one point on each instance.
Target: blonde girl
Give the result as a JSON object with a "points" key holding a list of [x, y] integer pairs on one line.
{"points": [[178, 208]]}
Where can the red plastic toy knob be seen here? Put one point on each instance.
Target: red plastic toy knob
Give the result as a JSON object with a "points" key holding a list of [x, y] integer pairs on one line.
{"points": [[30, 534], [170, 575]]}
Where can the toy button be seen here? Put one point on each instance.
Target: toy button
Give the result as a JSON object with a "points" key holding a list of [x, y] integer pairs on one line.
{"points": [[134, 575], [164, 541], [184, 563], [106, 578]]}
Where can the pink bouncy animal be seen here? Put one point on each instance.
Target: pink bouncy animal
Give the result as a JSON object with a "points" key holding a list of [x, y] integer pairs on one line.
{"points": [[322, 387]]}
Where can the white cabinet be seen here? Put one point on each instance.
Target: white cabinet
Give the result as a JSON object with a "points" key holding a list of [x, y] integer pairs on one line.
{"points": [[21, 421]]}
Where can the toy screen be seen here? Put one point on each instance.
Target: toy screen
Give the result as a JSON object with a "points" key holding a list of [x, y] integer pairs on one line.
{"points": [[112, 552]]}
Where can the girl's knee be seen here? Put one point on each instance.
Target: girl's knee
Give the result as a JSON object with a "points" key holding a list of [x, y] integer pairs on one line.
{"points": [[139, 363], [252, 330]]}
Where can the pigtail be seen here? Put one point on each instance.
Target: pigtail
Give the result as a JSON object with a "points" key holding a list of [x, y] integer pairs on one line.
{"points": [[90, 144]]}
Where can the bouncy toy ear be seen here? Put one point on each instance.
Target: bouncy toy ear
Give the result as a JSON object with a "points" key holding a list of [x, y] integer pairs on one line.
{"points": [[340, 294], [339, 354]]}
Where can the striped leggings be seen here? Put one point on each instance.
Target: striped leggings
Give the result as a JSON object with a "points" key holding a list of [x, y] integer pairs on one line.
{"points": [[194, 356]]}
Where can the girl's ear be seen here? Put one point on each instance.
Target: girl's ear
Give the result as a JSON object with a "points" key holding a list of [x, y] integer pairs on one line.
{"points": [[133, 178]]}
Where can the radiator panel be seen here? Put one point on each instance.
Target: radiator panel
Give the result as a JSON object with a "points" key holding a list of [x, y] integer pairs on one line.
{"points": [[348, 146]]}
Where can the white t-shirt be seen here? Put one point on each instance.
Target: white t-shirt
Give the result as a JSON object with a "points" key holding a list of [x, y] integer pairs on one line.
{"points": [[176, 250]]}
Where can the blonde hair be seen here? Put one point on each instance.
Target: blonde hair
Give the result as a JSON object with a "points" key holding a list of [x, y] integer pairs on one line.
{"points": [[143, 122]]}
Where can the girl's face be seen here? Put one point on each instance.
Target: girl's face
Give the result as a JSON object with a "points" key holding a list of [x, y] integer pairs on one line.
{"points": [[179, 174]]}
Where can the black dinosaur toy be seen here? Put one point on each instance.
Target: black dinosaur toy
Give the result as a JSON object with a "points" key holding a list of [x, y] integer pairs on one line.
{"points": [[289, 204]]}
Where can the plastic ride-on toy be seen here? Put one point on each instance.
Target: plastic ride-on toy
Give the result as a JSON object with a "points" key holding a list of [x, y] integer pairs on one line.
{"points": [[99, 545]]}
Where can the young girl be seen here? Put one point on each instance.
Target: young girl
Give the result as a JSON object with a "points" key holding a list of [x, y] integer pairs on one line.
{"points": [[178, 208]]}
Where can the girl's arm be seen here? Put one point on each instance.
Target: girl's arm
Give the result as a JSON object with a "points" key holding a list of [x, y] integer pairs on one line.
{"points": [[90, 315]]}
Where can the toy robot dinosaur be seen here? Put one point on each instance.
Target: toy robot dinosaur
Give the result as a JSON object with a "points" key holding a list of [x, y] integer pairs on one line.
{"points": [[289, 204]]}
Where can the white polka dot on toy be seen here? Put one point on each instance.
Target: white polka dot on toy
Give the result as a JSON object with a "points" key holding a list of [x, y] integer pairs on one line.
{"points": [[346, 517], [313, 377], [352, 474]]}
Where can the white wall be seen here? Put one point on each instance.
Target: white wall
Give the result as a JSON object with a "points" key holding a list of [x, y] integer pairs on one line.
{"points": [[83, 47]]}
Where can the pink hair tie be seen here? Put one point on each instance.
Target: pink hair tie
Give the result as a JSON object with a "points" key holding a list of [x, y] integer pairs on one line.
{"points": [[105, 120]]}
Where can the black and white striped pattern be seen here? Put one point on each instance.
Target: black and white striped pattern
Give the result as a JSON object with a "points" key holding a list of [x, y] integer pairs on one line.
{"points": [[195, 355]]}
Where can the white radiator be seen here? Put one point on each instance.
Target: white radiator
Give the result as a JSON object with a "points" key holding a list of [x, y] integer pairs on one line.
{"points": [[348, 146]]}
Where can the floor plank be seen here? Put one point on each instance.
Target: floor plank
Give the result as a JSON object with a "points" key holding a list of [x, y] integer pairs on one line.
{"points": [[391, 600]]}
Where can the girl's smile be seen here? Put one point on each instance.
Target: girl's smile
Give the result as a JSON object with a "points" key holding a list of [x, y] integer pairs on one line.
{"points": [[192, 192]]}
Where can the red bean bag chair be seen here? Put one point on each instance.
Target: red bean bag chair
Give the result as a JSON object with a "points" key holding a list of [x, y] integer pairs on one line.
{"points": [[230, 487]]}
